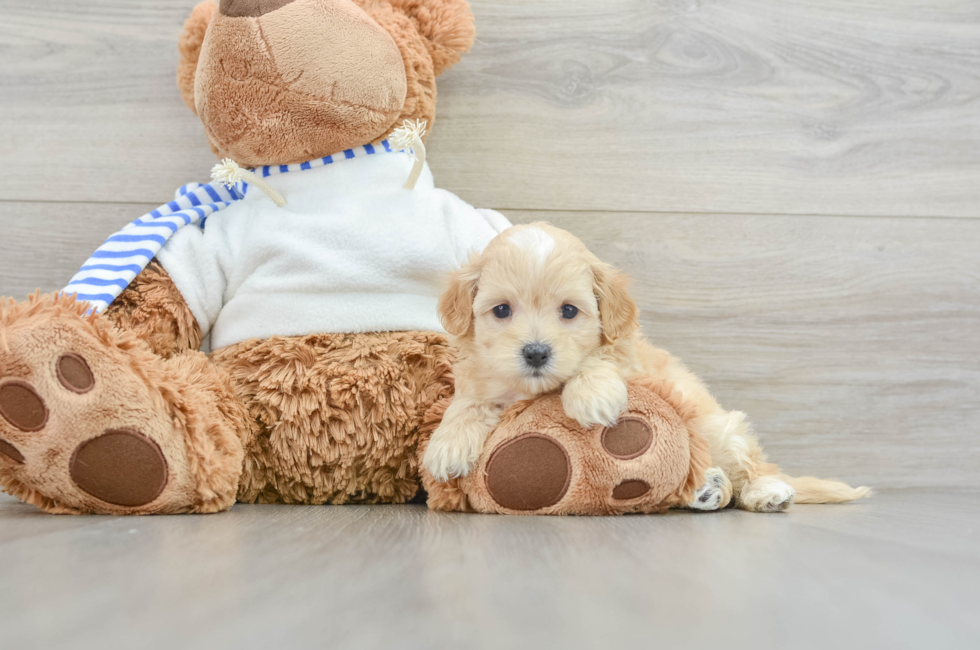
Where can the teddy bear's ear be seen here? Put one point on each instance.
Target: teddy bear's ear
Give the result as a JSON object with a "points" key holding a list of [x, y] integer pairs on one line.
{"points": [[446, 25], [190, 48]]}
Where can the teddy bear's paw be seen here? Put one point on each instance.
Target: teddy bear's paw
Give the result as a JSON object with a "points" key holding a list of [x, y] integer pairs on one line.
{"points": [[529, 472], [767, 494], [81, 430], [542, 462], [60, 443], [715, 494], [604, 471]]}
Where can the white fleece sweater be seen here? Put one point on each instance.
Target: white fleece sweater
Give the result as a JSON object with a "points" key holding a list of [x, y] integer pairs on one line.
{"points": [[351, 251]]}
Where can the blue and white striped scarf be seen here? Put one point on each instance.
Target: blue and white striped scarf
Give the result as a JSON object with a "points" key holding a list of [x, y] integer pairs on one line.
{"points": [[125, 254]]}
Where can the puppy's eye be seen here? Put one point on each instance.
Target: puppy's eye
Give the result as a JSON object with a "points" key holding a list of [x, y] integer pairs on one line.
{"points": [[501, 311], [568, 312]]}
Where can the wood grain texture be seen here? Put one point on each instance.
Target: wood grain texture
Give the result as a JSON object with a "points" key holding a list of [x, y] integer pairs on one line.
{"points": [[850, 341], [808, 107], [803, 107], [642, 126], [42, 245], [897, 571], [89, 104]]}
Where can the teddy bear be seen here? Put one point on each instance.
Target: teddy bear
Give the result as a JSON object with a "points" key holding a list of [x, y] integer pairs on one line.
{"points": [[539, 461], [311, 266]]}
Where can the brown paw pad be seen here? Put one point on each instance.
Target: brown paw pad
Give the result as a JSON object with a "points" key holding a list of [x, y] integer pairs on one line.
{"points": [[629, 439], [250, 8], [22, 407], [632, 489], [8, 450], [74, 374], [529, 472], [121, 467]]}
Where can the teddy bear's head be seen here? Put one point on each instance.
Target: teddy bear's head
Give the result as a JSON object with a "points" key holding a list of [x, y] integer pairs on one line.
{"points": [[286, 81]]}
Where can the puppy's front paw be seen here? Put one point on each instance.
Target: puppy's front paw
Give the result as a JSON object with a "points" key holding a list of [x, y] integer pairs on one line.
{"points": [[451, 456], [715, 494], [595, 399]]}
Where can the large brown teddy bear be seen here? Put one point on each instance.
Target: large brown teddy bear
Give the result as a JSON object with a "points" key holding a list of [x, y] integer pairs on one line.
{"points": [[118, 412], [315, 279]]}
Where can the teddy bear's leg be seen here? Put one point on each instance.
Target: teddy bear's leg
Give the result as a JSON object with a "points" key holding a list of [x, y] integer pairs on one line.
{"points": [[92, 420], [338, 414], [540, 461], [152, 308]]}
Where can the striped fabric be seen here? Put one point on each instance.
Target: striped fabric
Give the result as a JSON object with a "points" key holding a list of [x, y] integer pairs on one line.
{"points": [[125, 254]]}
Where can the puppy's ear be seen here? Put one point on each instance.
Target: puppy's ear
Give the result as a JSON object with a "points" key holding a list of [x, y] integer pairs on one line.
{"points": [[190, 48], [456, 302], [618, 313]]}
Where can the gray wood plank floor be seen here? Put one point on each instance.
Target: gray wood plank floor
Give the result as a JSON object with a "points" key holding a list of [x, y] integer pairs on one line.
{"points": [[898, 571], [795, 187]]}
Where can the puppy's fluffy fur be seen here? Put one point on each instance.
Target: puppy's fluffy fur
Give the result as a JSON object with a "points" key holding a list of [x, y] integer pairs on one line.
{"points": [[543, 275]]}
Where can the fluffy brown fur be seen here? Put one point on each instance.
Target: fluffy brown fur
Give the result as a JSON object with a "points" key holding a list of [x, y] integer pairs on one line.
{"points": [[152, 308], [446, 27], [189, 47], [336, 416], [317, 76], [536, 272], [314, 419], [674, 466], [184, 404]]}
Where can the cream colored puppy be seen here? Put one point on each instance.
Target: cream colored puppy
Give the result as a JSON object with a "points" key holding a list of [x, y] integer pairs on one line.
{"points": [[537, 312]]}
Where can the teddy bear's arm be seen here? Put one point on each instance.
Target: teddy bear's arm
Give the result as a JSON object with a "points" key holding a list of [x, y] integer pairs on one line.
{"points": [[152, 308]]}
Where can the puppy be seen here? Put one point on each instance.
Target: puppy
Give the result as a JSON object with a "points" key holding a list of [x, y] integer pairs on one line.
{"points": [[537, 312]]}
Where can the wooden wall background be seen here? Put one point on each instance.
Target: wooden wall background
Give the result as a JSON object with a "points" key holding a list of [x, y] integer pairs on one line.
{"points": [[795, 186]]}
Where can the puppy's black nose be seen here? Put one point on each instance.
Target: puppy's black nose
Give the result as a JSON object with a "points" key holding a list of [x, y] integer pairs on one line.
{"points": [[536, 354]]}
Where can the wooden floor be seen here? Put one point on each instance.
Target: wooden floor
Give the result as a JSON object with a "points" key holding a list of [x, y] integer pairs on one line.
{"points": [[795, 187], [898, 571]]}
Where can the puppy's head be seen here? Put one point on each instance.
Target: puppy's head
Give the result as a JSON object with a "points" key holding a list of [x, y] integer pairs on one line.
{"points": [[534, 305]]}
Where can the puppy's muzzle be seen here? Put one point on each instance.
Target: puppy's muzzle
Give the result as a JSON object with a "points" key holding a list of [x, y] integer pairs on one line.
{"points": [[536, 355]]}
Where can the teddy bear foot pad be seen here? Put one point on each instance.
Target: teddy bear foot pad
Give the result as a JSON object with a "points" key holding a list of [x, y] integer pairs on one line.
{"points": [[533, 471], [539, 461], [121, 466], [87, 416]]}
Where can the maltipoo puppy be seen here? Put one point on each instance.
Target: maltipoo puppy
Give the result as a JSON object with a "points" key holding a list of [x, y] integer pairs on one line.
{"points": [[537, 312]]}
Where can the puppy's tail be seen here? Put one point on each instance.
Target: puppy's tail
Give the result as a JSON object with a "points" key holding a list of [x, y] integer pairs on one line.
{"points": [[818, 490]]}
